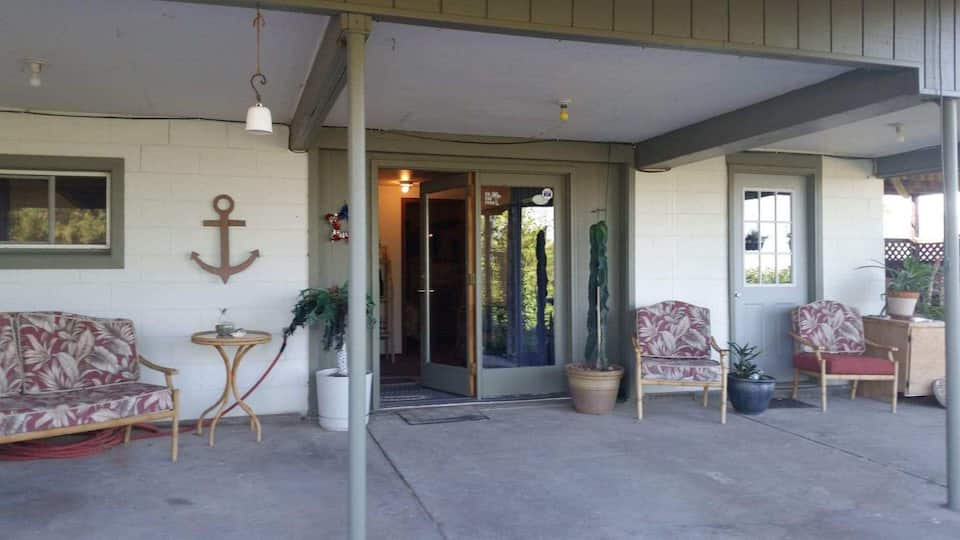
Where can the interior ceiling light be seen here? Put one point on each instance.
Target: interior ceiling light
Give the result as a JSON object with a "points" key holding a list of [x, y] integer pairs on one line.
{"points": [[405, 182], [259, 120], [565, 109], [898, 129], [35, 67]]}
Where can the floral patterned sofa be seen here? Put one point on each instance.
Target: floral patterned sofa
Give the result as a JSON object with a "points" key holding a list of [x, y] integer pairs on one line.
{"points": [[62, 373]]}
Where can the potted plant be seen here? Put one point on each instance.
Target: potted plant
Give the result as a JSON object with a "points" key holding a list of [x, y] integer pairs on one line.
{"points": [[328, 307], [594, 383], [750, 391], [905, 285]]}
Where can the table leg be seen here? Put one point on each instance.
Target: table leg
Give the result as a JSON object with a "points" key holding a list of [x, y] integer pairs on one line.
{"points": [[223, 395], [229, 383], [254, 421]]}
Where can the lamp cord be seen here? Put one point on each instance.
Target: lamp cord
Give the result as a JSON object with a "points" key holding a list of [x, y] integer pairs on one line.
{"points": [[258, 23]]}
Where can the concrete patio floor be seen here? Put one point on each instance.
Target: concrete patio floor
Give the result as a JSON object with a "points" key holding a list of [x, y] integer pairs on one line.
{"points": [[533, 471]]}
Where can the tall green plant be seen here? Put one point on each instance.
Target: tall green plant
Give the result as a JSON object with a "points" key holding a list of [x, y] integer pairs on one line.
{"points": [[328, 307], [595, 351]]}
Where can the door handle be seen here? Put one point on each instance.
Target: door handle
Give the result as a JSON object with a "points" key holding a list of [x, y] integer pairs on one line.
{"points": [[736, 294], [431, 291]]}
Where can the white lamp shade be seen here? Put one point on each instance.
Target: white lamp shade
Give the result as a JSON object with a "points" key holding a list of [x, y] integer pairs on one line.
{"points": [[259, 120]]}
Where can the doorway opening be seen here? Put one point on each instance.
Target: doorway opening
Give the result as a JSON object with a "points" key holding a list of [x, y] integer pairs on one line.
{"points": [[468, 280]]}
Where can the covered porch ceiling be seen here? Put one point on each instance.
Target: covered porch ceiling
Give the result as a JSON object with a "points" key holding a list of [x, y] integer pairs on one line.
{"points": [[154, 58]]}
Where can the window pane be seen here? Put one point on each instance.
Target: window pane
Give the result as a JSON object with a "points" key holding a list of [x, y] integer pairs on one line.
{"points": [[768, 269], [784, 206], [751, 237], [751, 206], [24, 217], [784, 237], [784, 268], [767, 201], [517, 240], [767, 240], [751, 268], [81, 210]]}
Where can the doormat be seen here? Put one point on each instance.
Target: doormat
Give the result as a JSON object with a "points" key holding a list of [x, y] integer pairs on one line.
{"points": [[419, 417], [789, 403]]}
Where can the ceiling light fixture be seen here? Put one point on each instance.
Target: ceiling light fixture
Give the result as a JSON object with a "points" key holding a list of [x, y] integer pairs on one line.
{"points": [[565, 109], [259, 120], [35, 67], [898, 129], [405, 182]]}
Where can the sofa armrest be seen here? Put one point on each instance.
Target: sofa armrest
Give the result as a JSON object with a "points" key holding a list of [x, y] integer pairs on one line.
{"points": [[168, 372], [724, 353], [880, 345]]}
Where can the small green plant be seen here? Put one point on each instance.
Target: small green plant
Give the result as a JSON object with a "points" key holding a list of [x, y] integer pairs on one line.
{"points": [[914, 276], [329, 308], [744, 367]]}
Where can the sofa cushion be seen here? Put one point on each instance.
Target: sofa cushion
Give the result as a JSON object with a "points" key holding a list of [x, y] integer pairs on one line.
{"points": [[832, 326], [674, 329], [62, 351], [25, 413], [844, 364], [680, 369], [11, 369]]}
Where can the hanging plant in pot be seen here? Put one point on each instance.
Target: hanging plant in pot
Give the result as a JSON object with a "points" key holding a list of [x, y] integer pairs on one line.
{"points": [[328, 308], [749, 389], [906, 285], [594, 383]]}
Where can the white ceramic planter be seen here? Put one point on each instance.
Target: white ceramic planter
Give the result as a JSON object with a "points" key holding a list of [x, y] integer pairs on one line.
{"points": [[333, 404], [902, 305]]}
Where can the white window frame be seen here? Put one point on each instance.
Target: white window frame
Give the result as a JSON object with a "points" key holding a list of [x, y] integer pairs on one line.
{"points": [[793, 257], [51, 176]]}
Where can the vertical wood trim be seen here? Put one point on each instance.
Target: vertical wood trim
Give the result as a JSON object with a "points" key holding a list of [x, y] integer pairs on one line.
{"points": [[633, 16], [931, 56], [597, 14], [780, 23], [510, 10], [847, 26], [814, 24], [469, 8], [908, 41], [878, 29], [746, 21], [709, 20], [672, 17], [948, 43], [554, 12]]}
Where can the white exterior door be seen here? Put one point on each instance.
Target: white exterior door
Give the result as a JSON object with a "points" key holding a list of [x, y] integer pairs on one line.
{"points": [[769, 264]]}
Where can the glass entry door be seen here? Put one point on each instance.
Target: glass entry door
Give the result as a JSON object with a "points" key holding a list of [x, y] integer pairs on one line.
{"points": [[448, 347], [520, 294]]}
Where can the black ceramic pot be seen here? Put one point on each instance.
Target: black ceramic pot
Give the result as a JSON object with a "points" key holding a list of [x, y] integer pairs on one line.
{"points": [[750, 396]]}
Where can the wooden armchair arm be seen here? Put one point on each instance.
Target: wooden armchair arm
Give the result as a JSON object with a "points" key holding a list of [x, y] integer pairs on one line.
{"points": [[168, 373], [806, 343], [724, 353], [880, 345]]}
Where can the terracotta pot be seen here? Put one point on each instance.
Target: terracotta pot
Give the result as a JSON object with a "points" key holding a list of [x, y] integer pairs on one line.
{"points": [[593, 392], [901, 304]]}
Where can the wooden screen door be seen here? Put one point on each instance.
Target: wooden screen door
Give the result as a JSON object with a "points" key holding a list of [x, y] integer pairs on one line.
{"points": [[769, 264], [447, 355]]}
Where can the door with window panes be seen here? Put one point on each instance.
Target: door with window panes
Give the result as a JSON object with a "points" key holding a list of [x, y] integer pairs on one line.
{"points": [[769, 255]]}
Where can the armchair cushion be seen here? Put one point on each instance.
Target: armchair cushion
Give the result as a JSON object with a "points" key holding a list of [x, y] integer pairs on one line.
{"points": [[832, 326], [674, 329], [26, 413], [64, 352], [11, 369], [844, 364], [680, 369]]}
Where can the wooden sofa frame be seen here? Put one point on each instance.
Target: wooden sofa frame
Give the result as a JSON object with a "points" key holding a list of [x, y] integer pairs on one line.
{"points": [[721, 384], [823, 376], [173, 415]]}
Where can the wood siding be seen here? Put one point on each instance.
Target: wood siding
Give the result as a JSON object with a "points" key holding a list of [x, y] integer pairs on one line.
{"points": [[905, 33]]}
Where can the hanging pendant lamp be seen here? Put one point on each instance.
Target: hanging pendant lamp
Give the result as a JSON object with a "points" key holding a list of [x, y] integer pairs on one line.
{"points": [[259, 119]]}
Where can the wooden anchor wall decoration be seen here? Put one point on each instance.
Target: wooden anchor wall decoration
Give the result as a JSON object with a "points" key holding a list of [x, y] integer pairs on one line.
{"points": [[224, 223]]}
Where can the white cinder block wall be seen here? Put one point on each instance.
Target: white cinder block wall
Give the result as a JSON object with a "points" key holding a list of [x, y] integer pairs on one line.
{"points": [[173, 170], [852, 233], [681, 239]]}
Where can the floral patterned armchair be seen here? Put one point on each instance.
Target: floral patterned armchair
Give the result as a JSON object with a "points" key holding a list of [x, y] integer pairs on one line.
{"points": [[673, 347], [830, 345]]}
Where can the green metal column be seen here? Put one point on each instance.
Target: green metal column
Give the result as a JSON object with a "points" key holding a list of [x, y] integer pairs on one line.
{"points": [[356, 29], [951, 297]]}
